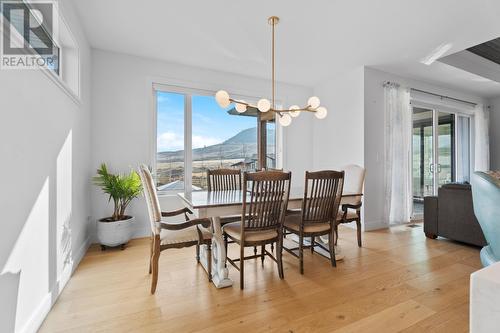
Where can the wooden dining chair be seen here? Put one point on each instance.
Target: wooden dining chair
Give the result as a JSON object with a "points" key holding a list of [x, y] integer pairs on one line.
{"points": [[223, 179], [350, 210], [320, 204], [265, 197], [167, 235]]}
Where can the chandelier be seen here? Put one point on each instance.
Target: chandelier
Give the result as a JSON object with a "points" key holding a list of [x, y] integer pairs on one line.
{"points": [[264, 105]]}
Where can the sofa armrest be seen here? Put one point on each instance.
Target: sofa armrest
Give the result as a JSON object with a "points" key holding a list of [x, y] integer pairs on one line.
{"points": [[431, 216]]}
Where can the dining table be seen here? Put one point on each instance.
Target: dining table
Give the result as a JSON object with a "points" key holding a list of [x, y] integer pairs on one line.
{"points": [[217, 204]]}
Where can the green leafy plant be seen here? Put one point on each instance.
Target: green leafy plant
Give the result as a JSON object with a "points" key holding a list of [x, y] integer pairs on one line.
{"points": [[122, 189]]}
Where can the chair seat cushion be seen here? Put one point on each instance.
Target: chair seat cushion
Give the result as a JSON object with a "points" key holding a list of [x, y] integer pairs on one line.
{"points": [[292, 222], [351, 214], [234, 231], [189, 234]]}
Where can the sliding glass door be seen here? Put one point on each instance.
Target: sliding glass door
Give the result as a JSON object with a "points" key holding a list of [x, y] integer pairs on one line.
{"points": [[445, 159], [440, 152], [423, 156]]}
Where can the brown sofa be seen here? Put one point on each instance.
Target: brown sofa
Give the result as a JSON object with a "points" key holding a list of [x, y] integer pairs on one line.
{"points": [[451, 215]]}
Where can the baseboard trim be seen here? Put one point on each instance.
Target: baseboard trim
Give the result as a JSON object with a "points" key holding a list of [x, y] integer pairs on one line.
{"points": [[39, 315], [81, 253]]}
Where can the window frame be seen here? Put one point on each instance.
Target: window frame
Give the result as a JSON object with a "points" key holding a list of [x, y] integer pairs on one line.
{"points": [[455, 112], [63, 39], [188, 93]]}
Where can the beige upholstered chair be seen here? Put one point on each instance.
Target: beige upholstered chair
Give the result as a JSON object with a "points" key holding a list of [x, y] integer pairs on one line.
{"points": [[167, 235], [320, 205], [265, 197], [350, 210]]}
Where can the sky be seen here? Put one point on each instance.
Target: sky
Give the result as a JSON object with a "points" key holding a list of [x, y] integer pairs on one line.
{"points": [[211, 123]]}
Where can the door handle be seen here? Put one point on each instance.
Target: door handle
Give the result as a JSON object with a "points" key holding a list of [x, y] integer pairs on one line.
{"points": [[431, 167], [439, 168]]}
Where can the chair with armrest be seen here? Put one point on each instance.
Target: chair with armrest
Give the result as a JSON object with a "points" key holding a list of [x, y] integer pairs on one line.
{"points": [[320, 205], [351, 206], [265, 197], [167, 235]]}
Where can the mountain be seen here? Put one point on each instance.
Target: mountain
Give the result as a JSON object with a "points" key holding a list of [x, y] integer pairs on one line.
{"points": [[246, 136], [241, 145]]}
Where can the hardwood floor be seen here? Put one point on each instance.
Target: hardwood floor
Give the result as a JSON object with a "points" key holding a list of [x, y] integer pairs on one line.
{"points": [[398, 282]]}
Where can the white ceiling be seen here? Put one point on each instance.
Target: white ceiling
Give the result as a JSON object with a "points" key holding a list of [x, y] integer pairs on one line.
{"points": [[315, 39]]}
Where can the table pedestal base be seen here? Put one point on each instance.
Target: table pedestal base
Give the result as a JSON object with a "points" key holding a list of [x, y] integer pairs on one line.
{"points": [[220, 273], [220, 278]]}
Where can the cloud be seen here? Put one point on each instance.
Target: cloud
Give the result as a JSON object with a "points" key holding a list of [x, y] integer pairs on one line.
{"points": [[200, 141], [170, 141]]}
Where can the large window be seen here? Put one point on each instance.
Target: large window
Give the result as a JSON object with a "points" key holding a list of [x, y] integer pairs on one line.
{"points": [[217, 138], [170, 157]]}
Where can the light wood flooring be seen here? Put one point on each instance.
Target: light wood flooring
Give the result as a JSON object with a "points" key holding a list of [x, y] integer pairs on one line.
{"points": [[398, 282]]}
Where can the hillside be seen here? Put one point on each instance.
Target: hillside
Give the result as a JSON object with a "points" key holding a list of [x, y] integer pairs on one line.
{"points": [[241, 145]]}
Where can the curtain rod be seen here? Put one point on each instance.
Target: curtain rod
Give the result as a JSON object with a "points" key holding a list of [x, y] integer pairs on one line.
{"points": [[443, 96], [388, 83]]}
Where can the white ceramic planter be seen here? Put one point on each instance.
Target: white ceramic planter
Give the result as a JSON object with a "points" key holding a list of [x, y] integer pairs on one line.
{"points": [[115, 233]]}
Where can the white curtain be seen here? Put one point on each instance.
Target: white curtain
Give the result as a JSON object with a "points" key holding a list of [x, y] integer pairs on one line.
{"points": [[482, 139], [398, 131], [463, 148]]}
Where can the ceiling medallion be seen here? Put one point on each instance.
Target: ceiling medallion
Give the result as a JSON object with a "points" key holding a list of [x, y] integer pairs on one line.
{"points": [[264, 105]]}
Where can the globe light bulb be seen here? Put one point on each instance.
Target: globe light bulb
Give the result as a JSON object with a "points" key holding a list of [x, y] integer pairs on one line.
{"points": [[321, 112], [222, 98], [285, 119], [313, 102], [241, 107], [294, 114], [263, 105]]}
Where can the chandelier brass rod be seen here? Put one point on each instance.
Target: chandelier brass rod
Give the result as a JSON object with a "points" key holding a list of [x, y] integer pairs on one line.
{"points": [[305, 108], [273, 64]]}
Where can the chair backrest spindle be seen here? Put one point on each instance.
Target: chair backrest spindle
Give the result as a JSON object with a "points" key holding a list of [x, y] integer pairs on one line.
{"points": [[322, 195], [265, 197], [223, 179]]}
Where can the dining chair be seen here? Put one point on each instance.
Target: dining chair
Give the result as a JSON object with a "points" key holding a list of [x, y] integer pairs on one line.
{"points": [[167, 235], [350, 210], [320, 204], [223, 179], [265, 197]]}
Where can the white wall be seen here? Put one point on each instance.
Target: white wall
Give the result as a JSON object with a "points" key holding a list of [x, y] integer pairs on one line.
{"points": [[123, 126], [45, 150], [374, 136], [495, 133], [338, 139]]}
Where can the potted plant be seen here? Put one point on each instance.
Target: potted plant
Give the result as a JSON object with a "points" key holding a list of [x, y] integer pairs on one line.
{"points": [[122, 189]]}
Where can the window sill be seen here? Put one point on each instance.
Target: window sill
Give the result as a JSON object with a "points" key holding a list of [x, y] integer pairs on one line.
{"points": [[62, 85]]}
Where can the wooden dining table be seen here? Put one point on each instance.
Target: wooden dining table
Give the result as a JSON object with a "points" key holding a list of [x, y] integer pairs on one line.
{"points": [[217, 204]]}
